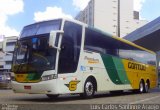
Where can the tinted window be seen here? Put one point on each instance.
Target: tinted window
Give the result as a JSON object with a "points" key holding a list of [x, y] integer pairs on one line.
{"points": [[34, 54], [105, 44], [99, 42], [41, 28], [70, 48]]}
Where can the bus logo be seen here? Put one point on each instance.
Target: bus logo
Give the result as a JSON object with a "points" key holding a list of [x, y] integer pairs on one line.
{"points": [[136, 66], [72, 85], [91, 60]]}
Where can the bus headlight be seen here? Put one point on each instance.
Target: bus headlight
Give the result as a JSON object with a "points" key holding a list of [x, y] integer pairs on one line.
{"points": [[49, 77]]}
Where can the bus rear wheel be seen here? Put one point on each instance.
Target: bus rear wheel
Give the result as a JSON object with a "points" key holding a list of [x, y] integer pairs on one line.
{"points": [[51, 96], [141, 87], [89, 89], [147, 87]]}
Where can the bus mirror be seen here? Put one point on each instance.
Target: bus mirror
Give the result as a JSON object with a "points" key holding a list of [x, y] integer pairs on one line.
{"points": [[53, 39]]}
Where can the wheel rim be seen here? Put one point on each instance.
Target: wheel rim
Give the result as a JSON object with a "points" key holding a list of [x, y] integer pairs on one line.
{"points": [[89, 89], [146, 87], [141, 87]]}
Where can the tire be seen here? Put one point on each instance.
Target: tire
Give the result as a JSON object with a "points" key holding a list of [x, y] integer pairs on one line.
{"points": [[51, 96], [141, 87], [146, 87], [89, 89]]}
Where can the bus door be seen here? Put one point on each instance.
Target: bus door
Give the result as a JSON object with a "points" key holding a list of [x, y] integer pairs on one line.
{"points": [[69, 57]]}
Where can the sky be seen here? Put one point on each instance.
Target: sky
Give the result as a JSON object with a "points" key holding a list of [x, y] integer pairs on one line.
{"points": [[15, 14]]}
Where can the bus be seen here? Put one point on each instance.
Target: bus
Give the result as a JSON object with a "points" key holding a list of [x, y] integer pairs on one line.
{"points": [[64, 56]]}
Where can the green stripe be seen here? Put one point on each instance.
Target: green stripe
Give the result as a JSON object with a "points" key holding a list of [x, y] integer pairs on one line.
{"points": [[121, 70], [111, 68]]}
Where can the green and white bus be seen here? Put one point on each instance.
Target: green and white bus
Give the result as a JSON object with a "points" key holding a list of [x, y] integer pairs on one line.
{"points": [[68, 57]]}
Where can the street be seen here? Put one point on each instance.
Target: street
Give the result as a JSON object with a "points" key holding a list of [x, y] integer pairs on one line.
{"points": [[13, 99]]}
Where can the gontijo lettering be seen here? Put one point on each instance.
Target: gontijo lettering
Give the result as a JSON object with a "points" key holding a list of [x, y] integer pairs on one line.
{"points": [[136, 66]]}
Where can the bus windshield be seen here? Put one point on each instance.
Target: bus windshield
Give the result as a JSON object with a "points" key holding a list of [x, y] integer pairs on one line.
{"points": [[32, 52], [40, 28], [33, 55]]}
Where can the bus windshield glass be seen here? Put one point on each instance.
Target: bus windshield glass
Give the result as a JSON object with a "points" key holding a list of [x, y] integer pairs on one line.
{"points": [[33, 55], [32, 52], [40, 28]]}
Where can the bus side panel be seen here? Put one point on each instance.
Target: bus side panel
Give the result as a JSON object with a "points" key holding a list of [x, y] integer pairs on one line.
{"points": [[137, 71], [69, 83], [108, 71], [116, 71], [92, 65]]}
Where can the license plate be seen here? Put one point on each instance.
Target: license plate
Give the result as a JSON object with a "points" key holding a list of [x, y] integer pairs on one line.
{"points": [[27, 87]]}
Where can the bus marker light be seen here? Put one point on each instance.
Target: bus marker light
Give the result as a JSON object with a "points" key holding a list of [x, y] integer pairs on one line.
{"points": [[63, 78], [74, 78]]}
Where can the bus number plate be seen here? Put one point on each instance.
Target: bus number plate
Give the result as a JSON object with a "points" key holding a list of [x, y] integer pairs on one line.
{"points": [[27, 87]]}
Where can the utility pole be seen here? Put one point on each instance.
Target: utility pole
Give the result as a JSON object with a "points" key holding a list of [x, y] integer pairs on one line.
{"points": [[118, 18]]}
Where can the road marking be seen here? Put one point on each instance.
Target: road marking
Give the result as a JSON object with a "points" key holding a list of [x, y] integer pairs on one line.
{"points": [[147, 99]]}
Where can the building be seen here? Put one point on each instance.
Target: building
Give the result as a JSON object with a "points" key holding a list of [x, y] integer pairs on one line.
{"points": [[6, 53], [2, 54], [8, 48], [7, 45], [2, 63], [116, 17]]}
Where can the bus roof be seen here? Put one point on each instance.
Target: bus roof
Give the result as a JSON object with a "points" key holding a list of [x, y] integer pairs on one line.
{"points": [[133, 44], [65, 19], [96, 29], [115, 37]]}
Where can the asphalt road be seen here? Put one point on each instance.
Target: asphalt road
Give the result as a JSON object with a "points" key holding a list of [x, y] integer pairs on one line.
{"points": [[14, 101]]}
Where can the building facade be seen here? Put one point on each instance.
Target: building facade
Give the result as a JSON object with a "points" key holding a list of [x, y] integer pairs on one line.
{"points": [[8, 48], [2, 54], [2, 63], [116, 17], [6, 53]]}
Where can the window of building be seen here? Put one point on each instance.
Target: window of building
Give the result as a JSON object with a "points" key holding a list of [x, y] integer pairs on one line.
{"points": [[10, 43], [8, 62]]}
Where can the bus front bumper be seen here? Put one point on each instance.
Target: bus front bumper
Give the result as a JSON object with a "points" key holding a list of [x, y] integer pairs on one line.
{"points": [[43, 87]]}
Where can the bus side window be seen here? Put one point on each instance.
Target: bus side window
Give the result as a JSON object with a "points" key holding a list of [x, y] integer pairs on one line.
{"points": [[67, 55], [70, 48]]}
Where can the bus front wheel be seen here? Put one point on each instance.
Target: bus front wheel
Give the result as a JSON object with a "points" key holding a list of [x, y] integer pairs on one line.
{"points": [[89, 89]]}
